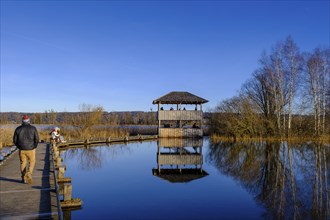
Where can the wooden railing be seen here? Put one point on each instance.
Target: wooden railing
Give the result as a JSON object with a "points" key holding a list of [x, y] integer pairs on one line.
{"points": [[180, 142], [63, 184], [180, 132], [109, 140], [177, 159], [184, 115]]}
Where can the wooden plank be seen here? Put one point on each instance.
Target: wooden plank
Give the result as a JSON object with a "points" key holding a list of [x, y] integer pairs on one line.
{"points": [[24, 201]]}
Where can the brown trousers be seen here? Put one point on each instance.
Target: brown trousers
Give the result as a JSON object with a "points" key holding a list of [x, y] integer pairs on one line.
{"points": [[26, 156]]}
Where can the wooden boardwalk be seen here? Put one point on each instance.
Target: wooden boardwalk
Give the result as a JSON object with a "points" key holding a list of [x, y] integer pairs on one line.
{"points": [[23, 201], [80, 143]]}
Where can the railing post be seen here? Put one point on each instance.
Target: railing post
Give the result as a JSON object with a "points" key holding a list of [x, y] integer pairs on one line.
{"points": [[67, 191], [64, 183], [60, 174], [58, 162]]}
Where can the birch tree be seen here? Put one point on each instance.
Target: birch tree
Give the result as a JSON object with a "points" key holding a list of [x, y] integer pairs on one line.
{"points": [[279, 85], [268, 87], [317, 74], [293, 64], [325, 85]]}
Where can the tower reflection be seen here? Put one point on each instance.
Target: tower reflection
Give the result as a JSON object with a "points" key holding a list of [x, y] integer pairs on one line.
{"points": [[179, 160]]}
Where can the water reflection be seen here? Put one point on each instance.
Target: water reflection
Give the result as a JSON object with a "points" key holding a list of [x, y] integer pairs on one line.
{"points": [[179, 160], [93, 157], [291, 181]]}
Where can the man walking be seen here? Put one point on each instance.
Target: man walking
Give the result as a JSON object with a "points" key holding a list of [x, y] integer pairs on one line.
{"points": [[26, 139]]}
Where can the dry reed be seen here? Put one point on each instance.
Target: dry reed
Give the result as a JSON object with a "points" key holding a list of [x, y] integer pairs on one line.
{"points": [[93, 133], [6, 134]]}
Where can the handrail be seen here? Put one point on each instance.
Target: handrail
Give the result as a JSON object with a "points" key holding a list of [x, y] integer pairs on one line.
{"points": [[60, 212], [107, 140]]}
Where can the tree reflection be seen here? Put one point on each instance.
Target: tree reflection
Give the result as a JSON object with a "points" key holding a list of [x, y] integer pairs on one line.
{"points": [[91, 158], [291, 181]]}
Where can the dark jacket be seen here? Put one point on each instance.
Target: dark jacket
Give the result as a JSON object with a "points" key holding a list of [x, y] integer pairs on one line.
{"points": [[26, 137]]}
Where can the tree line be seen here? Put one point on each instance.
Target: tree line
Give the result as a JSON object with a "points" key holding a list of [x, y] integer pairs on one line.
{"points": [[288, 94], [88, 114]]}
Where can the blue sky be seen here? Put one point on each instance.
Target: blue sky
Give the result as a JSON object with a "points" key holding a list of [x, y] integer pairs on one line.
{"points": [[124, 54]]}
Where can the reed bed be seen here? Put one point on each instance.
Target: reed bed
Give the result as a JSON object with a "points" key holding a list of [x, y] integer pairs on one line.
{"points": [[6, 137], [6, 134], [93, 133]]}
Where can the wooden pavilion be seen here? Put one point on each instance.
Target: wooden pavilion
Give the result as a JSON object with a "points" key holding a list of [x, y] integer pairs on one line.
{"points": [[180, 121]]}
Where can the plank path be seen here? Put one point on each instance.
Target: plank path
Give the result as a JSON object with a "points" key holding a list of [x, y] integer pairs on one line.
{"points": [[29, 201]]}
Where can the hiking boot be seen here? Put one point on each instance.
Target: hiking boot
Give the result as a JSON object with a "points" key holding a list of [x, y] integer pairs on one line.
{"points": [[24, 180], [29, 179]]}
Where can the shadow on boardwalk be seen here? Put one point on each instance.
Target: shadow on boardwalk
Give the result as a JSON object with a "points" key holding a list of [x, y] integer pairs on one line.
{"points": [[24, 201]]}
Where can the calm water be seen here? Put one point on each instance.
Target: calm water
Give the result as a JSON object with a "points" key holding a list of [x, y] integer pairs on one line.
{"points": [[221, 181]]}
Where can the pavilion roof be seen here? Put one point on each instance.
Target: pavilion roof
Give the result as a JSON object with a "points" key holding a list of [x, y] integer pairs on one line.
{"points": [[177, 176], [179, 98]]}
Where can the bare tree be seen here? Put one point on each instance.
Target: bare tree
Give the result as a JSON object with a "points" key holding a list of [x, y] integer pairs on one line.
{"points": [[112, 118], [272, 89], [293, 61], [325, 85], [317, 72], [238, 117], [88, 116], [279, 85], [51, 116], [267, 89], [258, 90], [38, 118]]}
